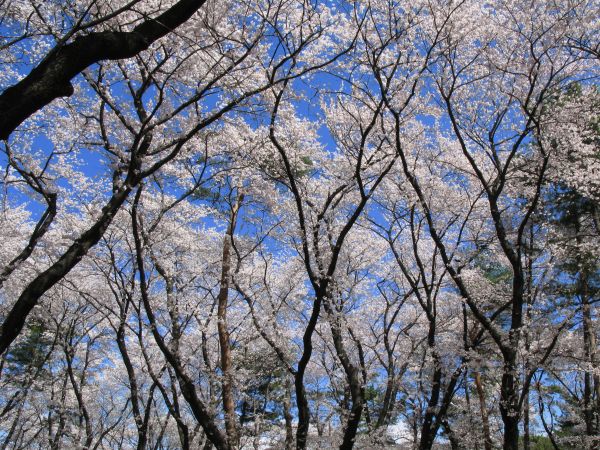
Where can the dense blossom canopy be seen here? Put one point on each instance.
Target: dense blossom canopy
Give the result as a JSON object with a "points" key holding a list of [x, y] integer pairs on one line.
{"points": [[300, 224]]}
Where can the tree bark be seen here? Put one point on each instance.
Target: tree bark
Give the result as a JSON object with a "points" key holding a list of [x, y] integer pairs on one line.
{"points": [[487, 439], [287, 414], [352, 376], [509, 403], [590, 379], [301, 400], [224, 341]]}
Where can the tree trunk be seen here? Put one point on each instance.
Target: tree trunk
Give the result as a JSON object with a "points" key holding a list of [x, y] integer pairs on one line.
{"points": [[51, 78], [509, 405], [591, 379], [287, 414], [352, 376], [487, 439], [388, 398], [301, 400], [428, 432], [224, 342], [511, 433]]}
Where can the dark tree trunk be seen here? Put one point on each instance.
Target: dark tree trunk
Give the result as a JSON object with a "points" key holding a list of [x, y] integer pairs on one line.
{"points": [[428, 432], [301, 400], [51, 78], [287, 414], [509, 403], [352, 377], [511, 433], [14, 321]]}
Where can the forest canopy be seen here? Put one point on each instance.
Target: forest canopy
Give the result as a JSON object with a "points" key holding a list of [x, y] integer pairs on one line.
{"points": [[285, 224]]}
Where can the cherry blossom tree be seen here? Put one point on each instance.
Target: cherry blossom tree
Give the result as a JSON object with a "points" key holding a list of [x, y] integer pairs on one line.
{"points": [[294, 224]]}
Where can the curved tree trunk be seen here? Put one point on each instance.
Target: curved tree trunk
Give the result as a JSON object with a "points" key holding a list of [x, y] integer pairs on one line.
{"points": [[51, 78]]}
